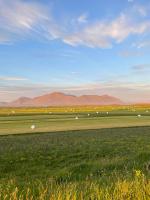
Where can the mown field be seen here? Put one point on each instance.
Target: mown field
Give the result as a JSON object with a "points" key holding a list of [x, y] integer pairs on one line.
{"points": [[73, 163], [20, 120]]}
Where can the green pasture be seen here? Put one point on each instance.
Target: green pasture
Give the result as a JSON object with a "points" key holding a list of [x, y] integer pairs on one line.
{"points": [[20, 122], [75, 155]]}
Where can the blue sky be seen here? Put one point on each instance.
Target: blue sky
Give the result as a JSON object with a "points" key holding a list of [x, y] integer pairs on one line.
{"points": [[75, 46]]}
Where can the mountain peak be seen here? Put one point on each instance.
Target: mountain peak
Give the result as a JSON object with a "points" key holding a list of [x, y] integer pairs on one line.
{"points": [[61, 99], [58, 94], [24, 98]]}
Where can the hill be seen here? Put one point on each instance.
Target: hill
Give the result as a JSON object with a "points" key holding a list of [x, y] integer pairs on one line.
{"points": [[61, 99]]}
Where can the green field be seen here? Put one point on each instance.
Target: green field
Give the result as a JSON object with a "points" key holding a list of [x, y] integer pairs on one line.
{"points": [[18, 121], [59, 152], [74, 155]]}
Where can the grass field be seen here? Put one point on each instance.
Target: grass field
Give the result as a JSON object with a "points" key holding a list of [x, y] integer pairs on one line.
{"points": [[100, 162], [20, 120]]}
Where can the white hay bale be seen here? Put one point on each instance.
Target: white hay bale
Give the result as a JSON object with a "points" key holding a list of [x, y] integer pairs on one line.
{"points": [[33, 127]]}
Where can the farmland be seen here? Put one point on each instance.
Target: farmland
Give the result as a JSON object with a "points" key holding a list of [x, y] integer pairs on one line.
{"points": [[20, 120], [95, 152]]}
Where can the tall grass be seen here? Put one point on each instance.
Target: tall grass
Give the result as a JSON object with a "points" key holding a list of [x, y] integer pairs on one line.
{"points": [[136, 189]]}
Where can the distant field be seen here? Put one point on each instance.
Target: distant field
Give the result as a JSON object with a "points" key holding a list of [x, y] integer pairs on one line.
{"points": [[73, 109], [20, 120]]}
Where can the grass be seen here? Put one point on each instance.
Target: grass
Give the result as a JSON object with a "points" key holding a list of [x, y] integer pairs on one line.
{"points": [[74, 155], [137, 189], [19, 120], [75, 164]]}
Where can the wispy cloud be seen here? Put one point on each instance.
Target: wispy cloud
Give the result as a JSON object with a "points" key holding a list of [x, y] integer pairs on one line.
{"points": [[4, 39], [142, 44], [129, 53], [141, 68], [20, 19], [104, 33], [11, 78], [109, 85], [130, 1], [83, 18], [142, 10]]}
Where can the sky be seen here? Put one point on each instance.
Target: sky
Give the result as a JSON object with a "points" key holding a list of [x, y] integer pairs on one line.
{"points": [[76, 47]]}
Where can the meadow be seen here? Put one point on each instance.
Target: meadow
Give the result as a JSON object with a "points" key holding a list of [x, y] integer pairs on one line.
{"points": [[20, 120], [104, 155]]}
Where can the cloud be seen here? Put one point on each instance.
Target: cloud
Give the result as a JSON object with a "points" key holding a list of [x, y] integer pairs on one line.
{"points": [[12, 91], [4, 39], [4, 78], [130, 1], [21, 18], [130, 53], [142, 10], [141, 68], [82, 18], [103, 33], [109, 85], [142, 44]]}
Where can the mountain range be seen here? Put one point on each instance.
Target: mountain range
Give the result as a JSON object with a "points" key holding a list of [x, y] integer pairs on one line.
{"points": [[61, 99]]}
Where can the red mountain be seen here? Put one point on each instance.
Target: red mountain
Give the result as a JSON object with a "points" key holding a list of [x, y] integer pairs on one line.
{"points": [[55, 98], [61, 99]]}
